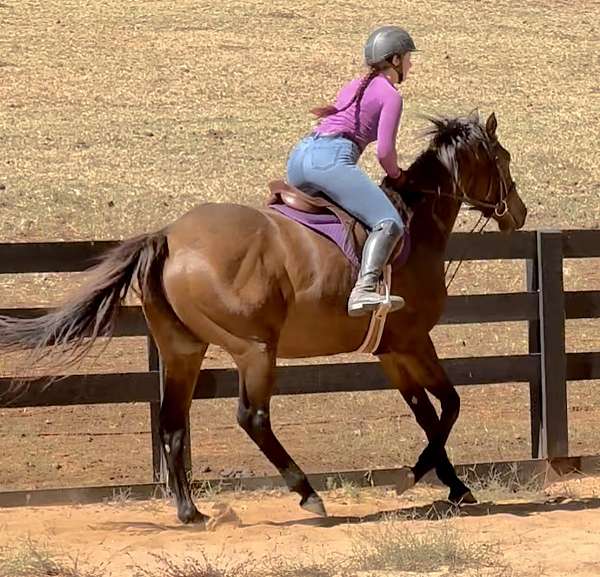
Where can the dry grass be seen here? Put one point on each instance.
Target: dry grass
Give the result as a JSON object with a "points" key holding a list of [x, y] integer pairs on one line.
{"points": [[134, 112], [397, 545], [221, 566], [32, 559], [207, 490], [392, 547], [386, 549], [314, 564], [200, 566], [344, 489], [498, 485]]}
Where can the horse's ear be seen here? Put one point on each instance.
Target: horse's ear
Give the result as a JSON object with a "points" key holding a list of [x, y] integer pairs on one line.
{"points": [[491, 125]]}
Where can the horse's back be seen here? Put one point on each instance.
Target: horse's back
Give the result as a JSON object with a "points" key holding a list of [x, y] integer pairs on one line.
{"points": [[257, 275], [211, 221]]}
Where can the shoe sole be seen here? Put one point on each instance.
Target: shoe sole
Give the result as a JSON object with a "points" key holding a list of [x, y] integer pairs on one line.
{"points": [[371, 308]]}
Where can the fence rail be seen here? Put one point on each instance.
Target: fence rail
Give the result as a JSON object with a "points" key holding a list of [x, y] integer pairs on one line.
{"points": [[545, 306]]}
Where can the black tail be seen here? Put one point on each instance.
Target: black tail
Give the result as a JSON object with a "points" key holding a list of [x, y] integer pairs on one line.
{"points": [[67, 334]]}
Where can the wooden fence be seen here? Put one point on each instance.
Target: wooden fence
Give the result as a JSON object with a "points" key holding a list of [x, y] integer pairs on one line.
{"points": [[545, 305]]}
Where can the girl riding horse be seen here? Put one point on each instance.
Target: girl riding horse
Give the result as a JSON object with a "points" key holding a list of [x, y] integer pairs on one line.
{"points": [[367, 109]]}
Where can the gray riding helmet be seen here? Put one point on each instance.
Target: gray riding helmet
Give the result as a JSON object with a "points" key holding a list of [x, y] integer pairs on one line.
{"points": [[387, 41]]}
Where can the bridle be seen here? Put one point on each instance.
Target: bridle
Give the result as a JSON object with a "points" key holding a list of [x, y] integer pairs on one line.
{"points": [[500, 214], [500, 208]]}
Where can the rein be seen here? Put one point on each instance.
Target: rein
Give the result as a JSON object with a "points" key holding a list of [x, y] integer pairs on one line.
{"points": [[461, 260]]}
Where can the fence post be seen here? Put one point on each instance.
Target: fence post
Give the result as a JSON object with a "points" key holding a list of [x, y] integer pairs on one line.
{"points": [[159, 465], [535, 386], [554, 426]]}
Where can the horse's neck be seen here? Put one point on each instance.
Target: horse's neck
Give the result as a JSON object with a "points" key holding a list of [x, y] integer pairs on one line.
{"points": [[434, 215]]}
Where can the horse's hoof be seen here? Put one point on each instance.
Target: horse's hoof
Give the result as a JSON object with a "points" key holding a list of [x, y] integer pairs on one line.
{"points": [[406, 482], [314, 504], [465, 499], [468, 499], [188, 515]]}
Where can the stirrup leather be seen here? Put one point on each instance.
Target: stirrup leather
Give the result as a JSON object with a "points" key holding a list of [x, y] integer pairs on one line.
{"points": [[379, 316]]}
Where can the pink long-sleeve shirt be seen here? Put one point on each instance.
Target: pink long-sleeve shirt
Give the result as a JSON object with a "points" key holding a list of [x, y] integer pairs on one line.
{"points": [[379, 118]]}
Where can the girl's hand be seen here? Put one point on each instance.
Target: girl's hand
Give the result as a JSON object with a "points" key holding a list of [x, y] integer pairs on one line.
{"points": [[396, 183]]}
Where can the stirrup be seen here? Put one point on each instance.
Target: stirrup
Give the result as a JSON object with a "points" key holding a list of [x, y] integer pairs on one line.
{"points": [[378, 318], [384, 304]]}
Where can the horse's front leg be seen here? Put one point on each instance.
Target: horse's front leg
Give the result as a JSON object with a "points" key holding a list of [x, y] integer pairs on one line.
{"points": [[414, 374]]}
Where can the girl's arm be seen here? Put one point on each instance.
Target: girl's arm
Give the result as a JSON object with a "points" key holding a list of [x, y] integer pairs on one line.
{"points": [[389, 120]]}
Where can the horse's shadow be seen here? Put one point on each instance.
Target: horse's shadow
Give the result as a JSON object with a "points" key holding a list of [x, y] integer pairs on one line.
{"points": [[442, 510], [436, 511]]}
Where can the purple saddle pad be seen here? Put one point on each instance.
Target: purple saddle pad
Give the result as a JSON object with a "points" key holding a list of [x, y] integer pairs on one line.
{"points": [[328, 225]]}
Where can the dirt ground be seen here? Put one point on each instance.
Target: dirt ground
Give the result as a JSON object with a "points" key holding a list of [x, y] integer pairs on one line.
{"points": [[552, 534]]}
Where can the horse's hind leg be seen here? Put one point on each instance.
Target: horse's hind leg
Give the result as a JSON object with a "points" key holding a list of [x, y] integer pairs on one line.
{"points": [[181, 374], [182, 355], [256, 367]]}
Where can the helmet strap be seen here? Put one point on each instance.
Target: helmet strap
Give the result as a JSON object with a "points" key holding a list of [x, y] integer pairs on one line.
{"points": [[400, 72], [398, 68]]}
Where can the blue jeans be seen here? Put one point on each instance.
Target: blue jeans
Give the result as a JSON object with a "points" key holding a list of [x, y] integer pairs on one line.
{"points": [[328, 164]]}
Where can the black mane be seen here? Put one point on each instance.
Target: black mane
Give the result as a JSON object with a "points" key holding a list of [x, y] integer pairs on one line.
{"points": [[450, 138], [462, 131]]}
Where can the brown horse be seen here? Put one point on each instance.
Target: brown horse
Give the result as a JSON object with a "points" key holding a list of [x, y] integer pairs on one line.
{"points": [[262, 287]]}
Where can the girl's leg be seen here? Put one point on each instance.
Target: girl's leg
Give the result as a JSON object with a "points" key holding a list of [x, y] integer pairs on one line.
{"points": [[330, 165]]}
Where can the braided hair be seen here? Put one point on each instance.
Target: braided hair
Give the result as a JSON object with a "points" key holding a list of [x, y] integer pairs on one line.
{"points": [[328, 110]]}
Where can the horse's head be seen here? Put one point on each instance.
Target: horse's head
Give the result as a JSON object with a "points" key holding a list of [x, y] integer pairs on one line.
{"points": [[479, 167]]}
